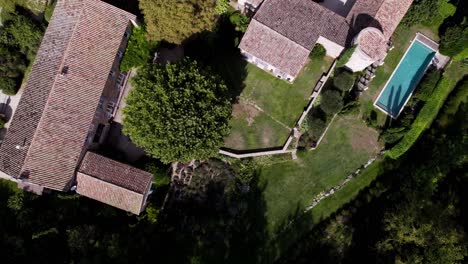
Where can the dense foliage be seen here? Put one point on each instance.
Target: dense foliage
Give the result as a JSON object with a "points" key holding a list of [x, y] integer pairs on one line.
{"points": [[138, 52], [19, 40], [240, 21], [318, 52], [425, 117], [174, 20], [413, 213], [177, 112], [331, 102], [420, 11], [343, 80], [454, 40]]}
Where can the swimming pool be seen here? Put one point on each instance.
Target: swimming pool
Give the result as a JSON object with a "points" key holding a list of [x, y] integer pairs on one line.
{"points": [[406, 76]]}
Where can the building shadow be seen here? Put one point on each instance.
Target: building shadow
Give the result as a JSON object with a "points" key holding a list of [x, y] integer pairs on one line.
{"points": [[338, 6], [6, 110]]}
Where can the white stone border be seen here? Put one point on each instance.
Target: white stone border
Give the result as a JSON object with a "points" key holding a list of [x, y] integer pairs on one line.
{"points": [[416, 38]]}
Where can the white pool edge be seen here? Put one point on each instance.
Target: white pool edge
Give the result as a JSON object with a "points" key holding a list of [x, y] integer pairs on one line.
{"points": [[393, 73]]}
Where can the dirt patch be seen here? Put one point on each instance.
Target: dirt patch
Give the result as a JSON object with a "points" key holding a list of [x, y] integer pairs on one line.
{"points": [[363, 138], [267, 136], [242, 110], [235, 140]]}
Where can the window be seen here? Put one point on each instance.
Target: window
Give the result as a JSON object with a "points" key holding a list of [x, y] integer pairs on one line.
{"points": [[119, 54], [126, 35], [111, 74]]}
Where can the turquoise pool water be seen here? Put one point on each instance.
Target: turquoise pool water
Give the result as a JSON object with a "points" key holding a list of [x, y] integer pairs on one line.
{"points": [[405, 78]]}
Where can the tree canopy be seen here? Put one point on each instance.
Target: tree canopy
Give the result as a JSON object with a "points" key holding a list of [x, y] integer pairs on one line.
{"points": [[175, 21], [19, 40], [331, 102], [177, 112]]}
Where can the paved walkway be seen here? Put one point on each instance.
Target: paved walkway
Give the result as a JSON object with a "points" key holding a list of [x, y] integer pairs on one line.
{"points": [[8, 104]]}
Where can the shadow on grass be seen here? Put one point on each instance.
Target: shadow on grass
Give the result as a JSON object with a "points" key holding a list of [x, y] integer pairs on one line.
{"points": [[218, 51], [215, 225]]}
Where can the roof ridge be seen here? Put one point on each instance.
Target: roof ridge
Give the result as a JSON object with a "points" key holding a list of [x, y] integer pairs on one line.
{"points": [[279, 33], [317, 5], [53, 86]]}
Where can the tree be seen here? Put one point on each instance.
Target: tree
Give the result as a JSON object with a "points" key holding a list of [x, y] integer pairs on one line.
{"points": [[343, 80], [177, 112], [454, 40], [175, 21], [331, 102], [19, 40], [420, 11]]}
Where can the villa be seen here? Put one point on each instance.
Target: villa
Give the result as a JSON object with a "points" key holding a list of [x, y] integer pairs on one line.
{"points": [[66, 108], [282, 33]]}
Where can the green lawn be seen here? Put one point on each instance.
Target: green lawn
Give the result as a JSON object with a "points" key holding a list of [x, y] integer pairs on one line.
{"points": [[291, 185], [268, 107]]}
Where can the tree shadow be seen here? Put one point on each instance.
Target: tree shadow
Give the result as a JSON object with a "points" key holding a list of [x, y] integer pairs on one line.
{"points": [[218, 220], [127, 5], [218, 50]]}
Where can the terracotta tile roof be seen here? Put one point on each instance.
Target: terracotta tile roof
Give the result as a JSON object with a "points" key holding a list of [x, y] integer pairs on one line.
{"points": [[362, 13], [303, 21], [110, 194], [113, 183], [373, 43], [390, 13], [40, 82], [116, 173], [55, 112], [274, 48]]}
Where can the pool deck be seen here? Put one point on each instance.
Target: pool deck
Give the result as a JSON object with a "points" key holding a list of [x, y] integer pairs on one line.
{"points": [[439, 60]]}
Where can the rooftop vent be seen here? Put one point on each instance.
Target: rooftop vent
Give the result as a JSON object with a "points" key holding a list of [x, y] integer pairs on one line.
{"points": [[65, 70]]}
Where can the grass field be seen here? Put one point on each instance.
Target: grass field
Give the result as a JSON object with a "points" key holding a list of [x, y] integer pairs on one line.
{"points": [[291, 185], [268, 107]]}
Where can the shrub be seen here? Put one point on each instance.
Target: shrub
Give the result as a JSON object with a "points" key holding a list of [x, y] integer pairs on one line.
{"points": [[345, 56], [318, 52], [343, 81], [138, 51], [8, 86], [240, 21], [351, 108], [331, 102]]}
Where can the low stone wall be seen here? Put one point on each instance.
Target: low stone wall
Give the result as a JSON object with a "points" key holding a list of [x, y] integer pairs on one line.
{"points": [[315, 93]]}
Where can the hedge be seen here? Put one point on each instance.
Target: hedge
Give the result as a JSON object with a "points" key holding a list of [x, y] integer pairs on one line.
{"points": [[427, 114]]}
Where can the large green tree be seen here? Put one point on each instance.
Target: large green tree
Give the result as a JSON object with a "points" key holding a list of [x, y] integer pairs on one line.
{"points": [[175, 20], [177, 112]]}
